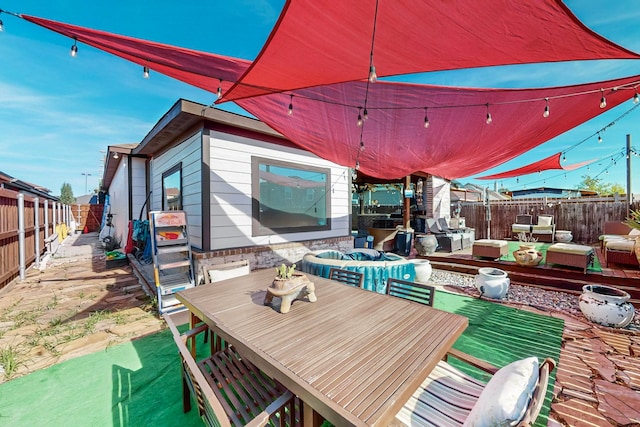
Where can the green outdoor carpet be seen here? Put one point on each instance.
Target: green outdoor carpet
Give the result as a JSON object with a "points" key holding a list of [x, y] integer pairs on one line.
{"points": [[138, 383], [542, 247], [500, 334]]}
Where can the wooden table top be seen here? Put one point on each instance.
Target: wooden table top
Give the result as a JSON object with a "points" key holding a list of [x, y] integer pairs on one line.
{"points": [[354, 356]]}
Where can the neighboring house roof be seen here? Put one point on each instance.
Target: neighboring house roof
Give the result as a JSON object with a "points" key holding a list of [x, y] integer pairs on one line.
{"points": [[551, 192], [9, 182]]}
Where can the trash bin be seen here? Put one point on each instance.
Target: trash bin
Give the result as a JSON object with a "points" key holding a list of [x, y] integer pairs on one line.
{"points": [[403, 243]]}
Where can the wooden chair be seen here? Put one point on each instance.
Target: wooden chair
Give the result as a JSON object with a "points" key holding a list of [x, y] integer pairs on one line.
{"points": [[216, 272], [448, 396], [413, 291], [352, 278], [545, 229], [229, 390]]}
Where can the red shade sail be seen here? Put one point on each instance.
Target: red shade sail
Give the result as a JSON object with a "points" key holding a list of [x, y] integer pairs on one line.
{"points": [[551, 162], [395, 143], [318, 42]]}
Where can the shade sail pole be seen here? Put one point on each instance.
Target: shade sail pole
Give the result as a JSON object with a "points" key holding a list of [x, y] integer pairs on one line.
{"points": [[628, 173]]}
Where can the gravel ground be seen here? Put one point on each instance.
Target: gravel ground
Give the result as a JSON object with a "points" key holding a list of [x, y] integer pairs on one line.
{"points": [[528, 295]]}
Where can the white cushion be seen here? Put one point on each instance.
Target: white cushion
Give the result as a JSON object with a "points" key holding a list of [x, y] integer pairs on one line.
{"points": [[634, 232], [505, 398], [544, 220]]}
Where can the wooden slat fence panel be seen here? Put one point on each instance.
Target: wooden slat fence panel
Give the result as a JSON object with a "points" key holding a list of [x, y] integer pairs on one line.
{"points": [[9, 261], [584, 217]]}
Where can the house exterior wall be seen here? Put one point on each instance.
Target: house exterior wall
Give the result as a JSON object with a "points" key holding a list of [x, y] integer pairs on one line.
{"points": [[231, 201], [119, 201], [189, 153], [121, 189], [138, 188], [438, 194]]}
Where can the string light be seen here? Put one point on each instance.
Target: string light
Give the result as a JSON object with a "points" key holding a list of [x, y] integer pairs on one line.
{"points": [[599, 138], [372, 74], [489, 119], [361, 145], [426, 118], [145, 72], [290, 112], [359, 116], [357, 165], [564, 157], [1, 26], [219, 92], [365, 114], [603, 100], [546, 108], [636, 98], [74, 48]]}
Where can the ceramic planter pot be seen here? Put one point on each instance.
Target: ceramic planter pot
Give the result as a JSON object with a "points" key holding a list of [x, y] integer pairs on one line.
{"points": [[423, 269], [492, 282], [426, 244], [606, 305], [563, 236]]}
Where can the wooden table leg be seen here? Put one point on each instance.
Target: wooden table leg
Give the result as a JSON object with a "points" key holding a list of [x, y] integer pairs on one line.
{"points": [[310, 417]]}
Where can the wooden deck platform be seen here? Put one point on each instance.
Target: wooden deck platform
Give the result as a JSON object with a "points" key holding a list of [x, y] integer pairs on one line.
{"points": [[567, 279]]}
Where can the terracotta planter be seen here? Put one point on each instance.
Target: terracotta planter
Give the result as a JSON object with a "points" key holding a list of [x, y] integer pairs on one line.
{"points": [[527, 257], [606, 305], [492, 282]]}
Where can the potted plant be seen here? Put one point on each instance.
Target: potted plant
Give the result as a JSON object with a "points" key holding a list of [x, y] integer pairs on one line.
{"points": [[527, 241], [288, 277]]}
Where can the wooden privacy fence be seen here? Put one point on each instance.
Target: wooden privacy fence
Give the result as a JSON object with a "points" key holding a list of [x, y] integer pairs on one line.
{"points": [[27, 225], [584, 217], [88, 217]]}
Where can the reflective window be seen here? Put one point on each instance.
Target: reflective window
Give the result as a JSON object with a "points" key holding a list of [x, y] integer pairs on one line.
{"points": [[172, 189], [289, 198]]}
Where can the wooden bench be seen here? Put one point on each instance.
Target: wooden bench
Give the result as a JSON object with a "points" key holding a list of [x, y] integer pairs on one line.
{"points": [[228, 389]]}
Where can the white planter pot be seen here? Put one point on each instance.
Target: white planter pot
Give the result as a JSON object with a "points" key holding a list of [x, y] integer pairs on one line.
{"points": [[423, 269], [606, 305], [563, 236], [492, 282]]}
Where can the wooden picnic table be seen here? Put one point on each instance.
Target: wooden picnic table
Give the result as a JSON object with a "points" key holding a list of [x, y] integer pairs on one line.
{"points": [[353, 356]]}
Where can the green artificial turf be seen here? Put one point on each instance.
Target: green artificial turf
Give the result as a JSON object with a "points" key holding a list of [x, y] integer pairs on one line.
{"points": [[139, 383], [542, 248], [501, 334]]}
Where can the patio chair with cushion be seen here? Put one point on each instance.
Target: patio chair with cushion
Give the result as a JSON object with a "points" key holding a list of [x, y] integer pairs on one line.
{"points": [[412, 291], [228, 389], [467, 236], [448, 397], [545, 229], [523, 224], [447, 241], [348, 277]]}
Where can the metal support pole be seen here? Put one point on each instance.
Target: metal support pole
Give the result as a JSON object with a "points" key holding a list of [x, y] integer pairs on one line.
{"points": [[36, 220], [21, 245], [628, 174], [46, 219]]}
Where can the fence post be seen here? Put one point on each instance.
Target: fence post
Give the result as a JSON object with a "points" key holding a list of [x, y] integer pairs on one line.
{"points": [[46, 219], [21, 245], [36, 225]]}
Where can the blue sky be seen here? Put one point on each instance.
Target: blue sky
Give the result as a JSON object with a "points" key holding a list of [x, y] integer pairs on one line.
{"points": [[57, 112]]}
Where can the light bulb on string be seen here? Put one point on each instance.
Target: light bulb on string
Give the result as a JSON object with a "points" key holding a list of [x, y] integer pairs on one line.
{"points": [[489, 119], [219, 92], [372, 74], [599, 138], [365, 114], [290, 112], [636, 98], [145, 72], [546, 108], [603, 100], [361, 145], [74, 48], [359, 117], [357, 165], [1, 26], [426, 118], [564, 157]]}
